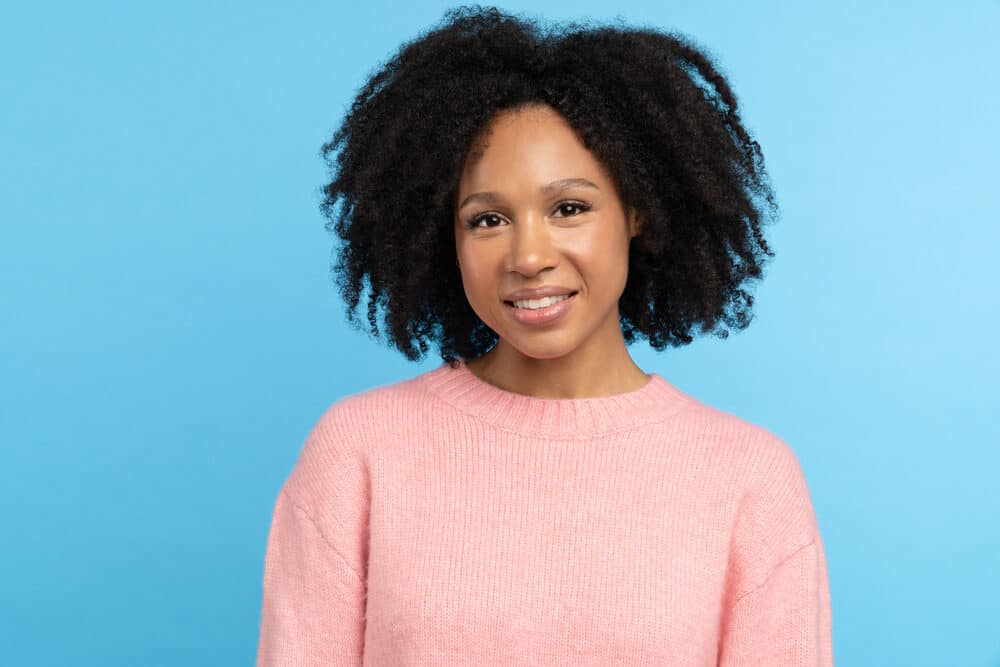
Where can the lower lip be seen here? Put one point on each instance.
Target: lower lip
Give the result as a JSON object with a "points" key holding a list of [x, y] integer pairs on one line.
{"points": [[542, 316]]}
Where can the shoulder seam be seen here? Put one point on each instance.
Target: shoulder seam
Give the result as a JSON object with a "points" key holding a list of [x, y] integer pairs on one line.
{"points": [[326, 541], [774, 569]]}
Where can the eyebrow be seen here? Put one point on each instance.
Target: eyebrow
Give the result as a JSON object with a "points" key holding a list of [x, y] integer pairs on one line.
{"points": [[554, 186]]}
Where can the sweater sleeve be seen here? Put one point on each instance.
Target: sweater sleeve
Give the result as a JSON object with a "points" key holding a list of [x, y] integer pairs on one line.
{"points": [[314, 592], [776, 611]]}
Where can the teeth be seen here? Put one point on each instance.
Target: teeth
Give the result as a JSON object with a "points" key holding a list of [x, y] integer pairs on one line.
{"points": [[535, 304]]}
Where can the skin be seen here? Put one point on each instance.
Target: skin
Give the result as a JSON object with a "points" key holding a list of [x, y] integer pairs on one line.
{"points": [[527, 238]]}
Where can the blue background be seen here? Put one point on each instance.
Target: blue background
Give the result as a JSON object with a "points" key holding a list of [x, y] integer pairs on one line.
{"points": [[169, 331]]}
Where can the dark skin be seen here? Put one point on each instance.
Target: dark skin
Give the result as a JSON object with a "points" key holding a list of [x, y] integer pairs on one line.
{"points": [[524, 237]]}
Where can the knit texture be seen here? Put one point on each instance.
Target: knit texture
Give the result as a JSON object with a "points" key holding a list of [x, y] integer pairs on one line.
{"points": [[442, 520]]}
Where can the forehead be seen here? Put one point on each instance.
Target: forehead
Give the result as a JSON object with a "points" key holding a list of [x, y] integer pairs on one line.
{"points": [[528, 144]]}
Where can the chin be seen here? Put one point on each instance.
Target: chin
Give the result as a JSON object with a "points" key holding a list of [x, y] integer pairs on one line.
{"points": [[540, 350]]}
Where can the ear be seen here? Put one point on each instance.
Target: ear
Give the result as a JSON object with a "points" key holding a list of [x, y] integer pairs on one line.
{"points": [[634, 223]]}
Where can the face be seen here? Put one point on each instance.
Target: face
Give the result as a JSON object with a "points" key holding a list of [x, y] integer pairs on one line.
{"points": [[534, 208]]}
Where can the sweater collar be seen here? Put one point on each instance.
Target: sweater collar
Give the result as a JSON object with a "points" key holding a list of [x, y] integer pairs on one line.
{"points": [[561, 418]]}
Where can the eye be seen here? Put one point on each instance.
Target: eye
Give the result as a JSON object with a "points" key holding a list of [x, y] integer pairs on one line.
{"points": [[575, 207], [474, 223], [578, 205]]}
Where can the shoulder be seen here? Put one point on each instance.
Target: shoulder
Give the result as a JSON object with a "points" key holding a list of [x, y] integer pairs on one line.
{"points": [[756, 454], [381, 408], [771, 469], [348, 425], [762, 470], [772, 513], [336, 444]]}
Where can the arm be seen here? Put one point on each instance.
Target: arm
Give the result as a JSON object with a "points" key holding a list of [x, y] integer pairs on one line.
{"points": [[786, 619], [776, 604], [311, 612], [314, 590]]}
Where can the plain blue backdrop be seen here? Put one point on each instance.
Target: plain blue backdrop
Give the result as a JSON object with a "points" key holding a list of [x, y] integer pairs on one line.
{"points": [[169, 331]]}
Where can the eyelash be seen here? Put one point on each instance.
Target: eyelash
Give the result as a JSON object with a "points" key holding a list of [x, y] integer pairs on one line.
{"points": [[583, 208]]}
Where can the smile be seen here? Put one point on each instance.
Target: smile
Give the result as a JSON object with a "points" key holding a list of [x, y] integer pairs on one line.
{"points": [[549, 309]]}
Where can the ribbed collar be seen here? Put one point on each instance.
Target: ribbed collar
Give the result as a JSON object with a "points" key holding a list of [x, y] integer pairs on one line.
{"points": [[561, 418]]}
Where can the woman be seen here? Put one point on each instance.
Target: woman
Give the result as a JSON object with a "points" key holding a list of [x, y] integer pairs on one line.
{"points": [[532, 201]]}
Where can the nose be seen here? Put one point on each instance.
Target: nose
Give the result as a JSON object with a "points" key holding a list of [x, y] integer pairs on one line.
{"points": [[532, 247]]}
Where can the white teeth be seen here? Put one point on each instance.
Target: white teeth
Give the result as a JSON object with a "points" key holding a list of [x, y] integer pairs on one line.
{"points": [[535, 304]]}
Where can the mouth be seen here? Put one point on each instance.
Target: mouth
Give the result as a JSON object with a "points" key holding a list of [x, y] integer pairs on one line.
{"points": [[538, 317], [511, 303]]}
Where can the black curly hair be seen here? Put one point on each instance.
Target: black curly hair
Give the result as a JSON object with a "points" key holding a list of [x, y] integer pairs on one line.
{"points": [[650, 105]]}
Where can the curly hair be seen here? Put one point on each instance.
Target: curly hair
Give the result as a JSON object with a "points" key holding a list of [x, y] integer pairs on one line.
{"points": [[651, 106]]}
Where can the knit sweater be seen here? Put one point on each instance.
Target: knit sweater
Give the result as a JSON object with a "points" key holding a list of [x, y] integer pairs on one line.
{"points": [[442, 520]]}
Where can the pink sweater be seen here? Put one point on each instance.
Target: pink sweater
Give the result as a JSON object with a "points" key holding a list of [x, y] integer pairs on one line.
{"points": [[442, 520]]}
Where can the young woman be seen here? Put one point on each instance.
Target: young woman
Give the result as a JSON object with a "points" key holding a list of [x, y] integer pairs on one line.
{"points": [[530, 202]]}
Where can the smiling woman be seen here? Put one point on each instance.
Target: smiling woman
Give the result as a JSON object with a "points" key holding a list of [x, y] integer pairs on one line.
{"points": [[526, 232], [531, 202], [649, 115]]}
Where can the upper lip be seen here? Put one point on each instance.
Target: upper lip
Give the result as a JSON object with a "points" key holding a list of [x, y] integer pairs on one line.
{"points": [[537, 293]]}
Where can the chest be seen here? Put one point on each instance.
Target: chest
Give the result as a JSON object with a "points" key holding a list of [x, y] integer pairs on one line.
{"points": [[548, 560]]}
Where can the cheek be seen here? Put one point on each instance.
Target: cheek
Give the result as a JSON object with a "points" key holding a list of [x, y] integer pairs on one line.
{"points": [[479, 266], [603, 260], [477, 282]]}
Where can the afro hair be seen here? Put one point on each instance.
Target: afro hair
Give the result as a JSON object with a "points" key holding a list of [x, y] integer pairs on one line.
{"points": [[651, 106]]}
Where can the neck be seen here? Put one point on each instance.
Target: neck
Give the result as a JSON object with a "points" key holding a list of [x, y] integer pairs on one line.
{"points": [[570, 376]]}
